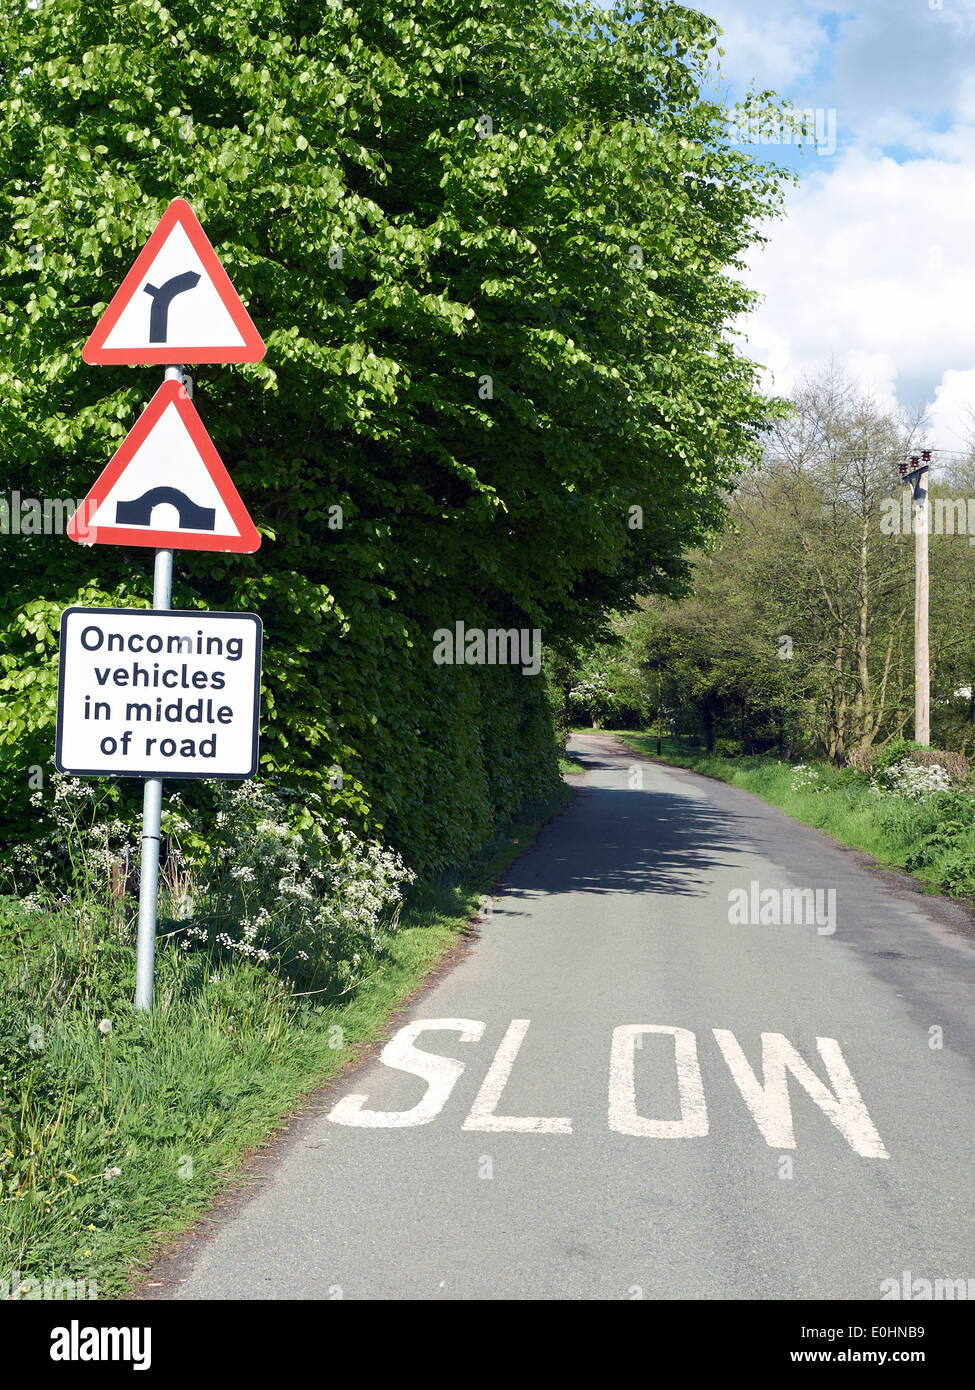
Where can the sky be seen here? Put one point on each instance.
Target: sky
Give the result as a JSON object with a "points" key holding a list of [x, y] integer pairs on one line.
{"points": [[875, 261]]}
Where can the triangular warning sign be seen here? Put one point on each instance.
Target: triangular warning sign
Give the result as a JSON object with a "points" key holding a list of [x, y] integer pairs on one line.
{"points": [[176, 304], [166, 487]]}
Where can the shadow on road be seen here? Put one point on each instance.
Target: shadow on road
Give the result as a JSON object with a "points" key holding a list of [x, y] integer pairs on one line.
{"points": [[631, 840]]}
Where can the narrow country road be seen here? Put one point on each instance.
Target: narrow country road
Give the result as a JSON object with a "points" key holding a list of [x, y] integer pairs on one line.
{"points": [[562, 1151]]}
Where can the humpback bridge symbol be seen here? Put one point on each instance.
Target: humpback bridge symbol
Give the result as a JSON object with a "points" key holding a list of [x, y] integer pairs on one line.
{"points": [[138, 512], [166, 461]]}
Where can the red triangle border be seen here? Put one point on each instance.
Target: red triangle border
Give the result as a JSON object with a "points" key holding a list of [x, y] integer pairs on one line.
{"points": [[170, 393], [251, 350]]}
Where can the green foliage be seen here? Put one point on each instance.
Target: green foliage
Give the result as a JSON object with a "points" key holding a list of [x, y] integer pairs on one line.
{"points": [[957, 871], [848, 777], [268, 876], [943, 824], [896, 751], [611, 688], [311, 903], [395, 253]]}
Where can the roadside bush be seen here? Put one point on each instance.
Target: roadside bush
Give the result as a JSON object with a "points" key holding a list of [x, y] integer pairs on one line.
{"points": [[80, 847], [908, 779], [878, 760], [958, 872], [942, 825], [849, 776], [896, 751], [290, 893], [954, 764], [270, 875], [807, 779]]}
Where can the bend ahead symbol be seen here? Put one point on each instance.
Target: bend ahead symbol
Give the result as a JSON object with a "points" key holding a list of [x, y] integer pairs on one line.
{"points": [[161, 300], [138, 512]]}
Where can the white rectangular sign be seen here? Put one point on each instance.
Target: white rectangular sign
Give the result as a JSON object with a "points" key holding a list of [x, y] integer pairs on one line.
{"points": [[146, 693]]}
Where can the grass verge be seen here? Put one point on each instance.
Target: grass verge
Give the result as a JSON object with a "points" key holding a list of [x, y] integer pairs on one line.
{"points": [[113, 1141]]}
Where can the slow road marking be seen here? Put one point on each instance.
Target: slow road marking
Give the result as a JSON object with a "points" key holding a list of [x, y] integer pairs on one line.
{"points": [[768, 1100]]}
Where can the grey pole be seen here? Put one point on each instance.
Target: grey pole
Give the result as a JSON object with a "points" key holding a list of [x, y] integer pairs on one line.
{"points": [[162, 597], [922, 658]]}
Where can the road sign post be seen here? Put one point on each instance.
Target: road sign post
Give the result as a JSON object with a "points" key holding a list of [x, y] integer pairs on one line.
{"points": [[145, 958], [176, 302], [155, 693], [145, 964], [922, 658]]}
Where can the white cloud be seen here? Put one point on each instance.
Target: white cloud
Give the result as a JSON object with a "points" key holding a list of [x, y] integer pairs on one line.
{"points": [[953, 412], [874, 265], [771, 44], [904, 55]]}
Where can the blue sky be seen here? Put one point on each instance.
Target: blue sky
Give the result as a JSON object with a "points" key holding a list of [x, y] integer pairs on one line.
{"points": [[875, 262]]}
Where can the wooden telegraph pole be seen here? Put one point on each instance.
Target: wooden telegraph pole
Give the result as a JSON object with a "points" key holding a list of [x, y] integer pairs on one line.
{"points": [[922, 656]]}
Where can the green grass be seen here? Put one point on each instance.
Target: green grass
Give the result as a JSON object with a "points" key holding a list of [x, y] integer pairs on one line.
{"points": [[933, 839], [569, 767], [174, 1100]]}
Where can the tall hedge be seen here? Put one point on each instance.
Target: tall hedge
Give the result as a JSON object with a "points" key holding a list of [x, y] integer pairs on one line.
{"points": [[491, 246]]}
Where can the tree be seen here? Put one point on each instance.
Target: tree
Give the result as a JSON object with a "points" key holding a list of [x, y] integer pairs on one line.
{"points": [[833, 464], [492, 250], [798, 632]]}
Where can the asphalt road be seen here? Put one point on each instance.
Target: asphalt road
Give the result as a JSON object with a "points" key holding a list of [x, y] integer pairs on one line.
{"points": [[558, 1151]]}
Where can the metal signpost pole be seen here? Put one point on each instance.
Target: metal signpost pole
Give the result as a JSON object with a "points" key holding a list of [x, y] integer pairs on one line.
{"points": [[162, 597]]}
